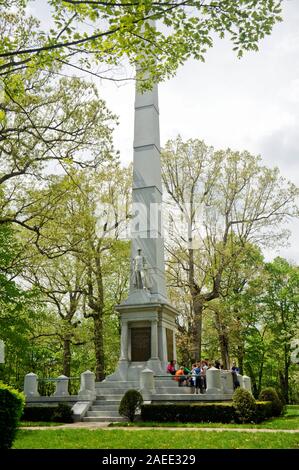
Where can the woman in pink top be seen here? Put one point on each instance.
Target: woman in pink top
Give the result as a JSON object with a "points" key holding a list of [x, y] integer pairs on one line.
{"points": [[171, 368]]}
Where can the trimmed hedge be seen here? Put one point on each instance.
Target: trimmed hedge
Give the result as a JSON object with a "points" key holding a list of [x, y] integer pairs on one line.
{"points": [[263, 411], [59, 414], [11, 409], [270, 394], [189, 413], [223, 412]]}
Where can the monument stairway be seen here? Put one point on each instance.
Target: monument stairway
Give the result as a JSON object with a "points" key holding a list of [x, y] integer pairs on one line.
{"points": [[106, 405], [104, 409], [110, 393]]}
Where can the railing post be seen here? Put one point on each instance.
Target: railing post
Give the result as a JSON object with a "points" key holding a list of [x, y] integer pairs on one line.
{"points": [[147, 383], [227, 381], [62, 385], [30, 385], [240, 380], [213, 380], [247, 383], [87, 389]]}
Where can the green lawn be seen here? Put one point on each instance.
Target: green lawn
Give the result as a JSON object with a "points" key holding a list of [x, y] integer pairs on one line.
{"points": [[289, 421], [163, 438], [38, 423], [151, 439]]}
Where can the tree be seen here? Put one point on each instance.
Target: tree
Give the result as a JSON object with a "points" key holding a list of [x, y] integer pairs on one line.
{"points": [[226, 199], [83, 230], [125, 30], [20, 310], [267, 321], [60, 280], [242, 269], [279, 299], [52, 124]]}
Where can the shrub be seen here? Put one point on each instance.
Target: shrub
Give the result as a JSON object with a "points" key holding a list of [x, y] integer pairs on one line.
{"points": [[270, 394], [263, 411], [224, 412], [61, 413], [130, 402], [38, 413], [11, 409], [245, 406], [189, 412]]}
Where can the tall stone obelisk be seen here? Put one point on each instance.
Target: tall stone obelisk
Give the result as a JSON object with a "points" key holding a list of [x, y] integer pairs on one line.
{"points": [[147, 320], [147, 199]]}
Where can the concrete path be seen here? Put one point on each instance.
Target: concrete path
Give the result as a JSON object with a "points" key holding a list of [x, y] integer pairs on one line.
{"points": [[105, 426]]}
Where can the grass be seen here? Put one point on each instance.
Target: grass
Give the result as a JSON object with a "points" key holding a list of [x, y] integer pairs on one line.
{"points": [[38, 423], [162, 438], [151, 439], [289, 421]]}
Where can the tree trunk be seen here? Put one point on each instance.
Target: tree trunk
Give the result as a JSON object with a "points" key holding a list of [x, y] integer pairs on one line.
{"points": [[196, 334], [67, 357], [99, 346]]}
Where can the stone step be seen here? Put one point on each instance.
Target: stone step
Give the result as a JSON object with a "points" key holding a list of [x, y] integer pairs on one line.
{"points": [[110, 391], [100, 414], [104, 402], [114, 396], [171, 390], [166, 383], [105, 407], [125, 384], [97, 419], [191, 397]]}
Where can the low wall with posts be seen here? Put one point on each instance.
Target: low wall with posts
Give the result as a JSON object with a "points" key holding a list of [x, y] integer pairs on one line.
{"points": [[61, 392]]}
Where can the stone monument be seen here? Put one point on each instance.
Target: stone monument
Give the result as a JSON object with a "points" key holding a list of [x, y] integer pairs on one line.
{"points": [[147, 319]]}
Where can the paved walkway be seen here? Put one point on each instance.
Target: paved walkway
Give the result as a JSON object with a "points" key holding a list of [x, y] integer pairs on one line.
{"points": [[105, 426]]}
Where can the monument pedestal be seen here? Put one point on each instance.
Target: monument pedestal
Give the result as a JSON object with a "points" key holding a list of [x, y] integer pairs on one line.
{"points": [[147, 339]]}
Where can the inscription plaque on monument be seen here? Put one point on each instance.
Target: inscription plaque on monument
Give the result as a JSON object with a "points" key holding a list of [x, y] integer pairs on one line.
{"points": [[140, 344], [169, 340]]}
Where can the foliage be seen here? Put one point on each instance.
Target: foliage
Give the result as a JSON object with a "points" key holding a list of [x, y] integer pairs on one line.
{"points": [[263, 411], [268, 322], [201, 412], [60, 414], [225, 206], [56, 124], [19, 309], [88, 271], [125, 31], [245, 405], [189, 412], [38, 413], [270, 394], [11, 409], [63, 413], [130, 404]]}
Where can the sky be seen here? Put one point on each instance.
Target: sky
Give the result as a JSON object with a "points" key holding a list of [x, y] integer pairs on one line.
{"points": [[245, 104]]}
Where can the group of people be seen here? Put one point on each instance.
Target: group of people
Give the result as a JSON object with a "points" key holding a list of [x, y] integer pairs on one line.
{"points": [[196, 376]]}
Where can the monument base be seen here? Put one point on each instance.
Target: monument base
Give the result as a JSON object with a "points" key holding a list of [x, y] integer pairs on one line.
{"points": [[130, 371]]}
